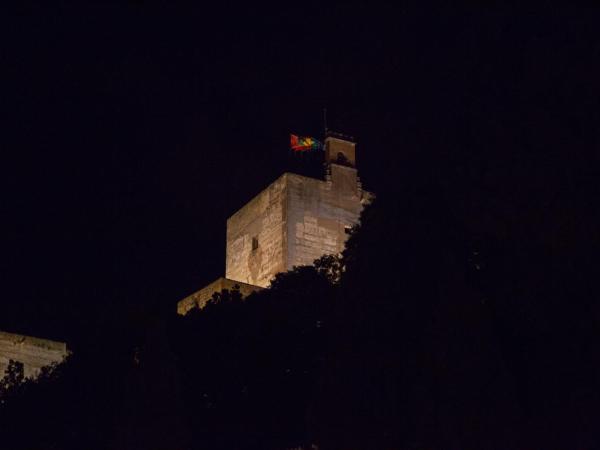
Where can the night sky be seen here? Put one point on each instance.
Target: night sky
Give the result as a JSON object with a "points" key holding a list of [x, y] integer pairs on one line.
{"points": [[131, 133]]}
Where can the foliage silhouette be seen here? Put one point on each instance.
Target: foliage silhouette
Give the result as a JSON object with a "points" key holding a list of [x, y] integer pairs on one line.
{"points": [[14, 376], [422, 334], [251, 365]]}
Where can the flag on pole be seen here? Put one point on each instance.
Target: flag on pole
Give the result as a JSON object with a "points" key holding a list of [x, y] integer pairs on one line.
{"points": [[304, 143]]}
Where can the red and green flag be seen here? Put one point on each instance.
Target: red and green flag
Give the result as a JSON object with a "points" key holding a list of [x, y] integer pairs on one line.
{"points": [[304, 143]]}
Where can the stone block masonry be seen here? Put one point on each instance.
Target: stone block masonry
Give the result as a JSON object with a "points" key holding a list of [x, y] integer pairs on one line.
{"points": [[255, 249], [34, 353], [320, 213], [292, 222], [198, 299]]}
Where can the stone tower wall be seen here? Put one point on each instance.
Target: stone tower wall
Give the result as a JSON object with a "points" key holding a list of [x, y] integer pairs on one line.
{"points": [[294, 221], [262, 220], [320, 214]]}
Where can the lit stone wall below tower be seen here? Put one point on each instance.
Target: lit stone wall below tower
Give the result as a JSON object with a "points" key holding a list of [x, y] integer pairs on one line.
{"points": [[34, 353], [198, 299]]}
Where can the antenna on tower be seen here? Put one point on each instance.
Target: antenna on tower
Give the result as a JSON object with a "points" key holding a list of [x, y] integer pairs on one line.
{"points": [[325, 121]]}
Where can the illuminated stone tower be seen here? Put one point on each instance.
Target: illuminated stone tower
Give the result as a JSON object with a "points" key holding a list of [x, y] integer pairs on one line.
{"points": [[294, 221]]}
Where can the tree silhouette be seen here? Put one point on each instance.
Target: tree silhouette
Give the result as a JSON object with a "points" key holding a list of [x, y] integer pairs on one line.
{"points": [[422, 334], [250, 366], [14, 376]]}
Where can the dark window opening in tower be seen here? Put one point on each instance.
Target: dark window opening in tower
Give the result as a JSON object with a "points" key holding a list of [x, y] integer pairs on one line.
{"points": [[254, 243], [342, 160]]}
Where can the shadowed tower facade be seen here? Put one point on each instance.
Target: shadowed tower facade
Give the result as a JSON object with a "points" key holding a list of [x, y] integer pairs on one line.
{"points": [[292, 222]]}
